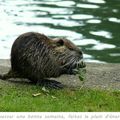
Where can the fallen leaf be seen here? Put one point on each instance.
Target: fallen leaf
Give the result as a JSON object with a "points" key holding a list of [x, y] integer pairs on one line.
{"points": [[45, 90], [36, 94], [53, 97]]}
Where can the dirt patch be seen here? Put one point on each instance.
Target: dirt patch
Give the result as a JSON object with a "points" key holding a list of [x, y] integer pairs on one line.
{"points": [[102, 76]]}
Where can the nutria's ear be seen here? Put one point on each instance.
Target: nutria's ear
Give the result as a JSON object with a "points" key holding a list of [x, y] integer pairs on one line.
{"points": [[60, 42]]}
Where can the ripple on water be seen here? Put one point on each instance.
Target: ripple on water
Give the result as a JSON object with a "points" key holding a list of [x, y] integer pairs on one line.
{"points": [[115, 54], [85, 42], [102, 33], [94, 21], [112, 19], [38, 21], [96, 1], [51, 2], [88, 6], [62, 3], [36, 8], [102, 46], [89, 58], [115, 10], [81, 16], [55, 10], [61, 16]]}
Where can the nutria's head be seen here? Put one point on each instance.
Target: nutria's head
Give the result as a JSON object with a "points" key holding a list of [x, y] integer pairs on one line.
{"points": [[68, 55]]}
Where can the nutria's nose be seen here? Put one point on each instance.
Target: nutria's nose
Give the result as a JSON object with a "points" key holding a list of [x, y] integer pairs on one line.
{"points": [[80, 54]]}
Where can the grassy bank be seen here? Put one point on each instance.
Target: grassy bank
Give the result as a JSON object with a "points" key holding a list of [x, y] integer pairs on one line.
{"points": [[19, 97]]}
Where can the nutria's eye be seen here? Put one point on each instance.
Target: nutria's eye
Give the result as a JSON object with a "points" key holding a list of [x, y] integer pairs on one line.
{"points": [[60, 42], [70, 48]]}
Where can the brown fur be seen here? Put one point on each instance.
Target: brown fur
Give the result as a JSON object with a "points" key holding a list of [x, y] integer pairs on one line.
{"points": [[35, 56]]}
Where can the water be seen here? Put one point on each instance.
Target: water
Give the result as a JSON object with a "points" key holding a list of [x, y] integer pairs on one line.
{"points": [[93, 25]]}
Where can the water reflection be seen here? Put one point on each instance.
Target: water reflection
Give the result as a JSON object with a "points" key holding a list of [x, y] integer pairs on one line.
{"points": [[94, 21], [102, 33], [116, 20], [96, 1], [91, 6], [103, 46], [62, 3], [91, 24], [81, 16]]}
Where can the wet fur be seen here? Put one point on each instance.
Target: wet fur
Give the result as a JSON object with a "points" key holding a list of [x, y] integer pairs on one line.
{"points": [[36, 57]]}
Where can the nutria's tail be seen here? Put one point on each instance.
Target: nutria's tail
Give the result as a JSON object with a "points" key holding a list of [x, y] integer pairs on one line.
{"points": [[8, 75], [3, 77]]}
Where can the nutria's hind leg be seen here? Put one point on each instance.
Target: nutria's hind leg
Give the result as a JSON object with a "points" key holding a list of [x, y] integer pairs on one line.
{"points": [[51, 84]]}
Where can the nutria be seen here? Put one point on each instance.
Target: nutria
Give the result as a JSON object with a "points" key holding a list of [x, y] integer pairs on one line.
{"points": [[37, 57]]}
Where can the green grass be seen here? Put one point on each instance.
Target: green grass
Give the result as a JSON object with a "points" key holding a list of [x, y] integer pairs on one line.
{"points": [[18, 97]]}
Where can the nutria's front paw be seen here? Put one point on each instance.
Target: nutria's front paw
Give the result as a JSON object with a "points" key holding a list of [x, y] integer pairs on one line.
{"points": [[75, 71], [50, 84]]}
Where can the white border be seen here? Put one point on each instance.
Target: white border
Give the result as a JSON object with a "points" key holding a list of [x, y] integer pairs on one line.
{"points": [[59, 115]]}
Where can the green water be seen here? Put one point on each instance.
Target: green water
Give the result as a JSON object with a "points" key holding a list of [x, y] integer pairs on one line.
{"points": [[93, 25]]}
